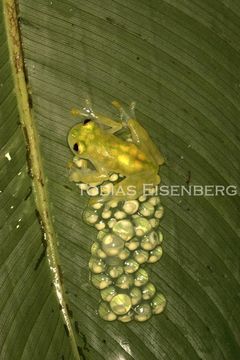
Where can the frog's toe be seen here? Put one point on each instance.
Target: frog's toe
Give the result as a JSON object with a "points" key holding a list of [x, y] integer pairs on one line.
{"points": [[96, 200]]}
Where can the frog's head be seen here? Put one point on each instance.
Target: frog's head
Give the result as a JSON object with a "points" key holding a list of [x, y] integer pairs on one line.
{"points": [[81, 135]]}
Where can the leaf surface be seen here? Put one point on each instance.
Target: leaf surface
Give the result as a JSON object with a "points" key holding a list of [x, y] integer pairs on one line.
{"points": [[179, 60]]}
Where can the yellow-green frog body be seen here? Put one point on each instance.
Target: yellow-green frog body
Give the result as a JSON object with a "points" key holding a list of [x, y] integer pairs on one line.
{"points": [[138, 161]]}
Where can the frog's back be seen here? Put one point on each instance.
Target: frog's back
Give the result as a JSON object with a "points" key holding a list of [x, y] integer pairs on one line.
{"points": [[118, 155]]}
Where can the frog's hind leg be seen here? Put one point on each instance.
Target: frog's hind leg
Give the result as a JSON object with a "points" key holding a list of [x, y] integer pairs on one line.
{"points": [[131, 187], [87, 176], [139, 135], [142, 139], [124, 116]]}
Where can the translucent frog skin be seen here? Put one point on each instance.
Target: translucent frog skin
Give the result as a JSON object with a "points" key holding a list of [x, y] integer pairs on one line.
{"points": [[137, 161]]}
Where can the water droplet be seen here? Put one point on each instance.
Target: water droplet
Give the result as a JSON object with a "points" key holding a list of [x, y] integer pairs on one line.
{"points": [[11, 207], [8, 156], [19, 173], [18, 226], [124, 342], [126, 346]]}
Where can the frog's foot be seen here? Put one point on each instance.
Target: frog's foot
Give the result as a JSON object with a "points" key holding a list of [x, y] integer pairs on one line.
{"points": [[70, 164], [87, 176], [133, 186], [85, 111], [79, 112], [139, 135], [132, 109], [123, 114]]}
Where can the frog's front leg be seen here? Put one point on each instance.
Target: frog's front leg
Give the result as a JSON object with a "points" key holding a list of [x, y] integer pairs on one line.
{"points": [[142, 139], [113, 126]]}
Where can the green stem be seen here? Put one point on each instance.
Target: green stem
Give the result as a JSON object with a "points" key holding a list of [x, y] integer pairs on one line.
{"points": [[39, 186]]}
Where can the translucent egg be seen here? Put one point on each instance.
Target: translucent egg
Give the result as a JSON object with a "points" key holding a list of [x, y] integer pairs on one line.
{"points": [[132, 244], [93, 191], [115, 271], [108, 293], [154, 222], [146, 209], [100, 226], [148, 291], [96, 265], [106, 214], [90, 216], [113, 261], [125, 281], [142, 226], [141, 277], [158, 303], [141, 256], [136, 295], [150, 241], [130, 266], [155, 255], [124, 254], [105, 312], [102, 233], [97, 205], [126, 318], [159, 212], [143, 312], [120, 304], [94, 248], [119, 215], [111, 223], [131, 207], [113, 177], [124, 229], [154, 200], [101, 254], [112, 244], [101, 281]]}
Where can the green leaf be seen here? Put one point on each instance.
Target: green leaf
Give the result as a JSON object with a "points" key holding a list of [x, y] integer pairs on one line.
{"points": [[179, 60]]}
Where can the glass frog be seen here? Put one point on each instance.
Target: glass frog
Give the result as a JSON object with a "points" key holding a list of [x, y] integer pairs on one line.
{"points": [[129, 236], [95, 141]]}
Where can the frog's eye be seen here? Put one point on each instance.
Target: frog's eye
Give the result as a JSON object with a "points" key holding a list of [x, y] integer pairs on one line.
{"points": [[79, 147], [86, 121], [75, 147]]}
